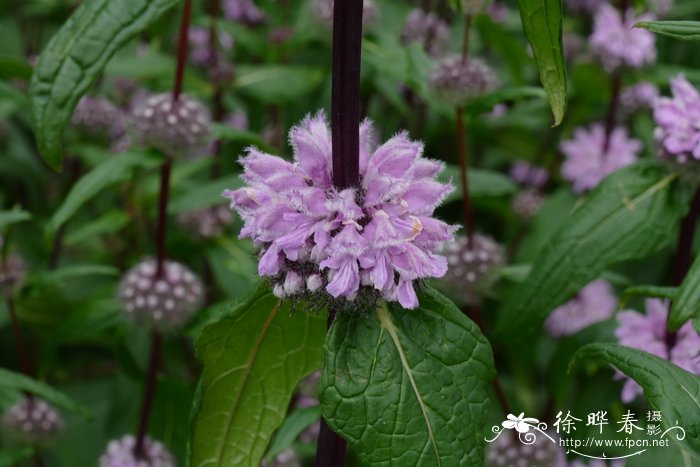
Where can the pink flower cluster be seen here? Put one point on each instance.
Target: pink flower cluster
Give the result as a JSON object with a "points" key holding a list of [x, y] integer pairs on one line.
{"points": [[647, 332], [617, 43], [588, 161], [594, 303], [374, 239], [678, 122], [528, 175]]}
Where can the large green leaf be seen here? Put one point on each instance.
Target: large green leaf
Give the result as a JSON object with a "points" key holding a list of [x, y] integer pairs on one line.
{"points": [[669, 389], [75, 57], [684, 30], [687, 305], [114, 169], [253, 359], [19, 382], [542, 23], [408, 387], [630, 215]]}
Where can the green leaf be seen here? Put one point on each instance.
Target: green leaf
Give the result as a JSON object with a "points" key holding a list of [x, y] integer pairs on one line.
{"points": [[542, 23], [19, 382], [293, 426], [482, 183], [408, 387], [487, 102], [109, 223], [253, 360], [12, 217], [683, 30], [669, 389], [75, 57], [647, 291], [275, 84], [630, 215], [203, 195], [114, 169], [687, 306]]}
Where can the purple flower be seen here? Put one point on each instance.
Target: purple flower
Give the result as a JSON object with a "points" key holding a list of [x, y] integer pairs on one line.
{"points": [[678, 122], [373, 239], [647, 332], [617, 43], [99, 117], [243, 11], [587, 163], [594, 303], [638, 96], [527, 203], [120, 453], [472, 267], [528, 175], [457, 81], [32, 420], [428, 29], [200, 46]]}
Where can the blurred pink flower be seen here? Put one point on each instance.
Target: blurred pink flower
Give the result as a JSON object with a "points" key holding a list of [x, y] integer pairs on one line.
{"points": [[243, 11], [678, 122], [617, 43], [587, 163], [647, 332], [594, 303], [638, 96]]}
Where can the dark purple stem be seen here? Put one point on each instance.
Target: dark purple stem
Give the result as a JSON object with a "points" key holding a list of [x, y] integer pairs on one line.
{"points": [[615, 85], [161, 232], [24, 359], [330, 451], [162, 228], [462, 153], [148, 394], [345, 121], [218, 92], [345, 97], [182, 49]]}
